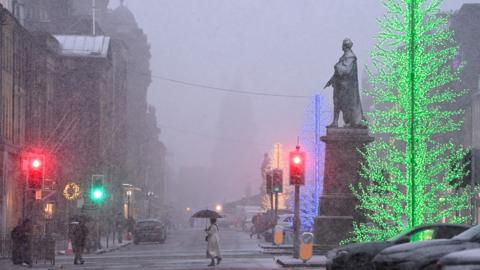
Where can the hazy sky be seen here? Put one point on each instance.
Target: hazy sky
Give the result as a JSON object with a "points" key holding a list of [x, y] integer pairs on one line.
{"points": [[273, 46]]}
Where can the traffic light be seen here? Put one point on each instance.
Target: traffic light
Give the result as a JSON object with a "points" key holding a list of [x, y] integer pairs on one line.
{"points": [[36, 171], [277, 181], [269, 184], [297, 167], [97, 190]]}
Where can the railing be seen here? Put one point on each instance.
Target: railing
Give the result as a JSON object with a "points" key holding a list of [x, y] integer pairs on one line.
{"points": [[43, 249], [5, 247]]}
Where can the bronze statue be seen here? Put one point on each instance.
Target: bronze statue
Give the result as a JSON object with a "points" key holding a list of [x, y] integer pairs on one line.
{"points": [[346, 96]]}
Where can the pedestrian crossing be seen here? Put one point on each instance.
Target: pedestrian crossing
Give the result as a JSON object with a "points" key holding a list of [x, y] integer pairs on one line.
{"points": [[174, 264], [184, 249]]}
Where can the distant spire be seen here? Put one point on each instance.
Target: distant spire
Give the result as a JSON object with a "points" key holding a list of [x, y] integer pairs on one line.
{"points": [[121, 2]]}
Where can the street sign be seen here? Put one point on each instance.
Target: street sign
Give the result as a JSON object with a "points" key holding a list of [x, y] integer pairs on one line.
{"points": [[49, 184]]}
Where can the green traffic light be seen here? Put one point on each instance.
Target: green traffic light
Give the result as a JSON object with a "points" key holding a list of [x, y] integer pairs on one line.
{"points": [[98, 194]]}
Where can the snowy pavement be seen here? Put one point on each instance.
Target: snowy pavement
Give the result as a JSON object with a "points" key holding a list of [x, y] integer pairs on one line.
{"points": [[184, 249]]}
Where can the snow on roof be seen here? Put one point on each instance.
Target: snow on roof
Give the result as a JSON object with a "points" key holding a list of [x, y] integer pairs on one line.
{"points": [[83, 46]]}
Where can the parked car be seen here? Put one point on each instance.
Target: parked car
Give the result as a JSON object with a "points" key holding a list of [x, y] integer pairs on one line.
{"points": [[149, 230], [466, 260], [360, 255], [424, 255]]}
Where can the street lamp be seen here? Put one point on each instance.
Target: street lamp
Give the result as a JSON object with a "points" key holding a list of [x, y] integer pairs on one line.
{"points": [[150, 194], [219, 208]]}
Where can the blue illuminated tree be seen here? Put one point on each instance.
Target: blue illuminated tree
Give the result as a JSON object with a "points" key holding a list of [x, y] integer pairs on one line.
{"points": [[317, 116]]}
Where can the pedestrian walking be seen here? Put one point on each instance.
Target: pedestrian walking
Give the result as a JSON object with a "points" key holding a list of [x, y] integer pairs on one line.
{"points": [[130, 227], [16, 236], [255, 230], [213, 245], [78, 236], [25, 242], [120, 224]]}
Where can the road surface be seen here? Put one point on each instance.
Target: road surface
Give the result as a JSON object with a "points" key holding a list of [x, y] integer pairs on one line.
{"points": [[184, 249]]}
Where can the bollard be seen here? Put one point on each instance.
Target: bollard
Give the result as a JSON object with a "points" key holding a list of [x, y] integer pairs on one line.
{"points": [[278, 235], [306, 246]]}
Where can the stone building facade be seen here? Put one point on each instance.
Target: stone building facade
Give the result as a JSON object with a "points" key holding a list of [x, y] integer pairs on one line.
{"points": [[27, 71]]}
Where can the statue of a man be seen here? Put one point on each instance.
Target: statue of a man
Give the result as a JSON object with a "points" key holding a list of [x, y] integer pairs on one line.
{"points": [[346, 96]]}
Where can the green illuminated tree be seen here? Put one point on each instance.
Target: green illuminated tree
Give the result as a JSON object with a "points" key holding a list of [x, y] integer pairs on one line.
{"points": [[409, 178]]}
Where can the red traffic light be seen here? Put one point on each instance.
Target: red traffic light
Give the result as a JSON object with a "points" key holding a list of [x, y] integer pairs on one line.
{"points": [[36, 172], [297, 168], [297, 159], [36, 163]]}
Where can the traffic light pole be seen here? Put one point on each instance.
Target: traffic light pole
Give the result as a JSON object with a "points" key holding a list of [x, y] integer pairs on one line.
{"points": [[276, 208], [296, 224], [272, 209], [271, 200], [297, 178]]}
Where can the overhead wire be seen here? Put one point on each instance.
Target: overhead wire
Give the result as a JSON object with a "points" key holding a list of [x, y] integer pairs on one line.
{"points": [[219, 89], [222, 89], [212, 137]]}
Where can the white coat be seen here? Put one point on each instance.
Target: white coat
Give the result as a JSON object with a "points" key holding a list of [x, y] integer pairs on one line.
{"points": [[213, 246]]}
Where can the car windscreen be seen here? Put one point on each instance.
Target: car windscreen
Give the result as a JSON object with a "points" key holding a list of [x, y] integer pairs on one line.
{"points": [[415, 235], [396, 237], [468, 234]]}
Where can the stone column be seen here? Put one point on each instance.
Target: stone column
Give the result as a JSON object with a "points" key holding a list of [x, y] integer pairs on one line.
{"points": [[337, 204]]}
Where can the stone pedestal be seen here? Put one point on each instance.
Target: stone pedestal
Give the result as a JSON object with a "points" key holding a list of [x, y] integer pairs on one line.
{"points": [[337, 204]]}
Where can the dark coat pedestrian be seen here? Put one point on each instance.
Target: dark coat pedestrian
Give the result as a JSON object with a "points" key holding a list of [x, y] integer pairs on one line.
{"points": [[120, 225], [78, 235], [22, 243], [26, 242], [16, 236], [130, 224]]}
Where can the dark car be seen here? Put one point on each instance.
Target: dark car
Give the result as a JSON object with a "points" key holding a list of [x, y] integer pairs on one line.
{"points": [[360, 255], [424, 255], [465, 260], [149, 230]]}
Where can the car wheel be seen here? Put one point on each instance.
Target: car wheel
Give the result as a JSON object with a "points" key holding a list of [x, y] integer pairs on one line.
{"points": [[360, 261], [135, 242]]}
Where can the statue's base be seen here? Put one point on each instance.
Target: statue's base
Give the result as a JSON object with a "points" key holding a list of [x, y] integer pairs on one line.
{"points": [[330, 230], [337, 204]]}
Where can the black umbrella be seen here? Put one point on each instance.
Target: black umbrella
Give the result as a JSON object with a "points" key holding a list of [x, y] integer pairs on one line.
{"points": [[207, 214]]}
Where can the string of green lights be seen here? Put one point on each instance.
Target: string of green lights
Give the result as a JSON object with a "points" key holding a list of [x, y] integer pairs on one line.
{"points": [[411, 141]]}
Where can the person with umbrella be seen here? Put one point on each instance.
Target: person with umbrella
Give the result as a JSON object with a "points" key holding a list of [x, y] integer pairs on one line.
{"points": [[213, 246], [78, 232], [212, 238]]}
